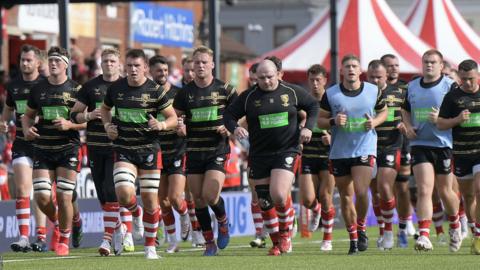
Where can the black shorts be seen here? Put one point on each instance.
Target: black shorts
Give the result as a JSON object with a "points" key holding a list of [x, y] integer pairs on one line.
{"points": [[261, 166], [343, 166], [388, 158], [173, 164], [466, 166], [405, 158], [143, 161], [101, 165], [45, 160], [440, 158], [195, 165], [22, 149], [314, 165]]}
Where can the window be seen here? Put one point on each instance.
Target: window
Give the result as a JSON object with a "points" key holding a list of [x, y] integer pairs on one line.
{"points": [[235, 33], [283, 34]]}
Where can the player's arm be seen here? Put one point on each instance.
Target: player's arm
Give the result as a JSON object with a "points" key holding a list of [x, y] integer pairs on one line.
{"points": [[28, 121], [447, 118], [380, 109], [170, 121], [233, 112], [325, 119], [7, 114], [79, 114]]}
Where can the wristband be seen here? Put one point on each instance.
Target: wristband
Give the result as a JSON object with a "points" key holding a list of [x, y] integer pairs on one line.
{"points": [[332, 122]]}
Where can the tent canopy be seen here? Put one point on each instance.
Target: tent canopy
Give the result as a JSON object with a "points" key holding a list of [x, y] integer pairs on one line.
{"points": [[366, 28], [440, 25]]}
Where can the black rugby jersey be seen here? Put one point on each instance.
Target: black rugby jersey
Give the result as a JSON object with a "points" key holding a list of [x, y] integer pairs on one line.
{"points": [[389, 137], [204, 109], [92, 95], [315, 148], [466, 136], [272, 117], [18, 91], [52, 102], [133, 105], [171, 144]]}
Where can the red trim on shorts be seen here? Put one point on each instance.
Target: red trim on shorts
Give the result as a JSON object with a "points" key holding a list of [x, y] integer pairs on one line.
{"points": [[159, 160], [225, 161], [79, 158], [398, 157], [372, 160], [297, 163], [184, 165]]}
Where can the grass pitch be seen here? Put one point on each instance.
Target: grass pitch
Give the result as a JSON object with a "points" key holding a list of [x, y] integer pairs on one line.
{"points": [[239, 255]]}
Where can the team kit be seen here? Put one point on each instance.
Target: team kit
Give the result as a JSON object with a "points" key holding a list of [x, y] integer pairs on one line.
{"points": [[169, 145]]}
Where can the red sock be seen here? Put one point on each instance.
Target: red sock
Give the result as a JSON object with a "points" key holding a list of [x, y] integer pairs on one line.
{"points": [[352, 232], [454, 222], [387, 212], [284, 216], [193, 217], [169, 220], [183, 208], [257, 218], [126, 218], [424, 227], [327, 223], [150, 221], [22, 209], [132, 206], [438, 217], [41, 232], [110, 219], [361, 225], [64, 236]]}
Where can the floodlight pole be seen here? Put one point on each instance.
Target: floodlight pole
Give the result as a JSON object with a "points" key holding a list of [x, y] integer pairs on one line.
{"points": [[64, 31], [333, 43]]}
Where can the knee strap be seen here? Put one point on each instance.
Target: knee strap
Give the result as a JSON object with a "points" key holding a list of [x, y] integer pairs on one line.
{"points": [[264, 199], [42, 186], [65, 186], [149, 182], [124, 177]]}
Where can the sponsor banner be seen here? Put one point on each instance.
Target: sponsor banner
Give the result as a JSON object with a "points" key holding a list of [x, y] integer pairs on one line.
{"points": [[152, 23]]}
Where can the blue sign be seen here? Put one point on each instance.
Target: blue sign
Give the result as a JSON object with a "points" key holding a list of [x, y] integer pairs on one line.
{"points": [[157, 24]]}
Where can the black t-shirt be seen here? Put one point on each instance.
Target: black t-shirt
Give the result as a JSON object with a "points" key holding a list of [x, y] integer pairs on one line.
{"points": [[92, 95], [133, 105], [272, 117], [52, 102], [466, 135], [171, 144], [18, 91], [315, 148], [388, 135], [204, 109]]}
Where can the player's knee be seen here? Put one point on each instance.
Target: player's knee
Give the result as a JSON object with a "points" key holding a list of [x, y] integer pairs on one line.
{"points": [[264, 198], [124, 177], [42, 187], [65, 186], [149, 183]]}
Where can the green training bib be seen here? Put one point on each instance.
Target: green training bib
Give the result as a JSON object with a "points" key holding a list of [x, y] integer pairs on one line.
{"points": [[55, 112], [21, 106], [205, 114], [273, 120], [137, 116]]}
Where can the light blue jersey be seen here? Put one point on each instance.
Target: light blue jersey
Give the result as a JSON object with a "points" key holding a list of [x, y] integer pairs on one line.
{"points": [[353, 140], [422, 100]]}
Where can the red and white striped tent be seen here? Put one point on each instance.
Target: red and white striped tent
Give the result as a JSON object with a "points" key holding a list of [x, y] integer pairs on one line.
{"points": [[439, 24], [366, 28]]}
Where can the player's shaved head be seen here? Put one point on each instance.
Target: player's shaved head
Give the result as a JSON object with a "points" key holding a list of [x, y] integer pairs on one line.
{"points": [[267, 75]]}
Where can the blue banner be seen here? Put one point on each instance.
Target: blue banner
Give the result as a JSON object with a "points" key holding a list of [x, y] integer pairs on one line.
{"points": [[151, 23]]}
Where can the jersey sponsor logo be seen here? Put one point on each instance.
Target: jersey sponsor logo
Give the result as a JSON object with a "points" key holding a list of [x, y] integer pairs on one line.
{"points": [[473, 121], [137, 116], [66, 97], [391, 114], [285, 99], [355, 125], [214, 97], [21, 106], [273, 120], [422, 114], [144, 100], [55, 112], [205, 114], [177, 163]]}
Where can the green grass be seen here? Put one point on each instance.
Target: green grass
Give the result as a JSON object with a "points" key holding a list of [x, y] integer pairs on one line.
{"points": [[306, 255]]}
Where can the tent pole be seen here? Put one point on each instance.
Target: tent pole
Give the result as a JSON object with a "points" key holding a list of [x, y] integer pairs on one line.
{"points": [[333, 43]]}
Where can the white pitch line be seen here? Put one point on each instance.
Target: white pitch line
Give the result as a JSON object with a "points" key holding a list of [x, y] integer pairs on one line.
{"points": [[141, 252]]}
